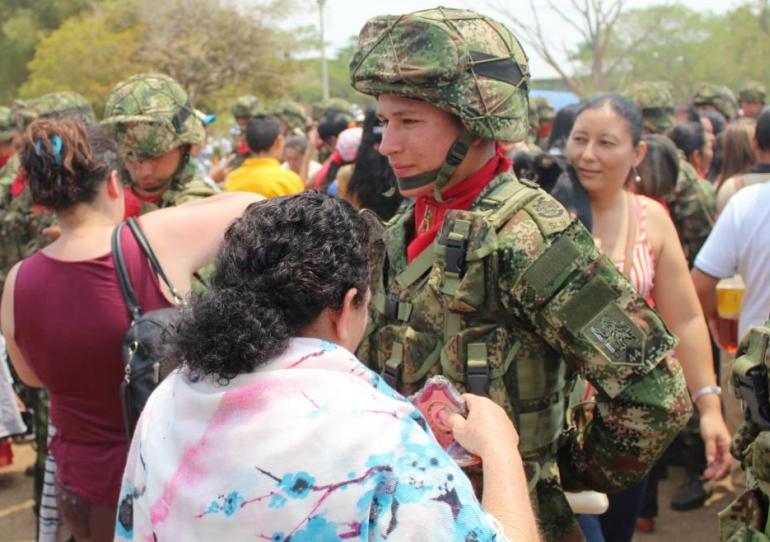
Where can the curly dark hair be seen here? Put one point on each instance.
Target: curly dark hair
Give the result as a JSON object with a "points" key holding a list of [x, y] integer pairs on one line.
{"points": [[282, 263], [66, 161]]}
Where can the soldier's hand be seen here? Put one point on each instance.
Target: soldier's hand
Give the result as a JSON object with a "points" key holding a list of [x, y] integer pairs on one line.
{"points": [[487, 428]]}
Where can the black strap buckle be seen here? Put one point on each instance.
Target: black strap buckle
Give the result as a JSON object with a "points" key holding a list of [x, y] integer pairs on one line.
{"points": [[477, 380], [391, 306], [392, 375], [455, 255]]}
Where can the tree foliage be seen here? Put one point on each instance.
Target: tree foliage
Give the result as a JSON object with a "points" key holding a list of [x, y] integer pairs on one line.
{"points": [[225, 51], [89, 53], [22, 25]]}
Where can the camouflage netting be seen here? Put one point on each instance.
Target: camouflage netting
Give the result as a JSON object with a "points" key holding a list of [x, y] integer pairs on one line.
{"points": [[149, 115]]}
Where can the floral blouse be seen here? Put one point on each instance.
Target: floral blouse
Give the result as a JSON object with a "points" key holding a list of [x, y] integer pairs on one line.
{"points": [[311, 446]]}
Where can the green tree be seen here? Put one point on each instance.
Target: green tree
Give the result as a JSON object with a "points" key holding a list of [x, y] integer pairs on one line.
{"points": [[22, 25], [308, 88], [88, 54], [225, 52]]}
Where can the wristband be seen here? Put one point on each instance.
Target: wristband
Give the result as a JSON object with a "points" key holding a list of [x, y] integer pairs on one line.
{"points": [[706, 390]]}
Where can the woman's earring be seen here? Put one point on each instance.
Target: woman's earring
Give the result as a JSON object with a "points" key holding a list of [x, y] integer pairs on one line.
{"points": [[637, 178]]}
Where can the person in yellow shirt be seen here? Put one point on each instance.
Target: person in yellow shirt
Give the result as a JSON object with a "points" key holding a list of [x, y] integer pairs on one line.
{"points": [[262, 172]]}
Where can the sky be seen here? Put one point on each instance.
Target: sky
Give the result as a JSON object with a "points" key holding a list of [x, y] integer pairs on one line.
{"points": [[344, 18]]}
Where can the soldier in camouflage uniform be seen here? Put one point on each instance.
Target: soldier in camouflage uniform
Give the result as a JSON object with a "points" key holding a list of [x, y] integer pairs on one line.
{"points": [[717, 98], [751, 98], [334, 105], [293, 117], [545, 116], [155, 127], [746, 518], [693, 203], [511, 298]]}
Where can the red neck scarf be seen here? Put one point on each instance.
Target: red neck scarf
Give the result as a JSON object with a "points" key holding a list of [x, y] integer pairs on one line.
{"points": [[19, 183], [429, 213]]}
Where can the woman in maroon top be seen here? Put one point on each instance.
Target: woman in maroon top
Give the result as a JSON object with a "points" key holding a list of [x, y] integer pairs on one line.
{"points": [[64, 316]]}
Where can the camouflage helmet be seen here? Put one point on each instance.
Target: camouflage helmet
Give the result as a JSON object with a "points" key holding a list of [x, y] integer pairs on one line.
{"points": [[544, 107], [54, 105], [459, 61], [150, 114], [718, 96], [656, 104], [334, 105], [6, 124], [246, 106], [293, 114], [752, 91]]}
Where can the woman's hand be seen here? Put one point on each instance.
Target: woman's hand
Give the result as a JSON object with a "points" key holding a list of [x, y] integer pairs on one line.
{"points": [[486, 430], [717, 439]]}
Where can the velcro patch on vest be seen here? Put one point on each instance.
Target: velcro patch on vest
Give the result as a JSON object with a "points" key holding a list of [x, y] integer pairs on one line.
{"points": [[616, 336], [552, 268]]}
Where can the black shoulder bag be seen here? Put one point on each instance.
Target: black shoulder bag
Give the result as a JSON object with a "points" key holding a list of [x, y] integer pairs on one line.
{"points": [[142, 352]]}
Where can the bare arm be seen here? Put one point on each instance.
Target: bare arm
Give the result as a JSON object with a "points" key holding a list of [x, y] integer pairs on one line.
{"points": [[187, 237], [677, 301], [25, 372]]}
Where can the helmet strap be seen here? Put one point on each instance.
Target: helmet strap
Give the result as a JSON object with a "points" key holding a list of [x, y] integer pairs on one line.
{"points": [[456, 154]]}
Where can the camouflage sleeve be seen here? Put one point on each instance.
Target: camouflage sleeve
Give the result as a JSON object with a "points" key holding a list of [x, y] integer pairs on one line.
{"points": [[553, 278], [692, 207], [195, 188]]}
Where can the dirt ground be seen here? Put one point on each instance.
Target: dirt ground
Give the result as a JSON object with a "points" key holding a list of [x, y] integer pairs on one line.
{"points": [[17, 522]]}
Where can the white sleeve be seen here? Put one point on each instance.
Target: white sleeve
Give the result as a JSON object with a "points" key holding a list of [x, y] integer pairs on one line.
{"points": [[719, 255]]}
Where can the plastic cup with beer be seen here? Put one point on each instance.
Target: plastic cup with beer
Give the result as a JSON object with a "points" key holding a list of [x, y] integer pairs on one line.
{"points": [[729, 301]]}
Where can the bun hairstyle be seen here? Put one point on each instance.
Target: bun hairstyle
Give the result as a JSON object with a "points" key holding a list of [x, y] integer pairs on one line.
{"points": [[66, 162], [282, 263]]}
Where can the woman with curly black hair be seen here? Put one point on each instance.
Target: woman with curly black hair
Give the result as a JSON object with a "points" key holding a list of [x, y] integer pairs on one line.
{"points": [[64, 316], [273, 430]]}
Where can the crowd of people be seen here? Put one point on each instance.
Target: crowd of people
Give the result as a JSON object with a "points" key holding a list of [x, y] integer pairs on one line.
{"points": [[560, 268]]}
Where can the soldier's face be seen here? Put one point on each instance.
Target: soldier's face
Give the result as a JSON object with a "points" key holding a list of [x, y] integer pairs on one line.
{"points": [[416, 137], [601, 149], [151, 174], [752, 109]]}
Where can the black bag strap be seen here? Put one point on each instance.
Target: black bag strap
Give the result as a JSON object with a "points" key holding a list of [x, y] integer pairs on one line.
{"points": [[129, 295], [133, 224], [134, 309]]}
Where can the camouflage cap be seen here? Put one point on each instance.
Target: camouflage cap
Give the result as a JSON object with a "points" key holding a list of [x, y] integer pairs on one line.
{"points": [[459, 61], [656, 103], [65, 104], [718, 96], [246, 106], [292, 113], [6, 124], [752, 91], [544, 107], [150, 114]]}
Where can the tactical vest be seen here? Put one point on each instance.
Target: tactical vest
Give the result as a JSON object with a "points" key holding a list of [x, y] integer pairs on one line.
{"points": [[746, 518]]}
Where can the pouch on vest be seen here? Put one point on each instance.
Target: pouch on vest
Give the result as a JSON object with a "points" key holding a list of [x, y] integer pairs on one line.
{"points": [[406, 357]]}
